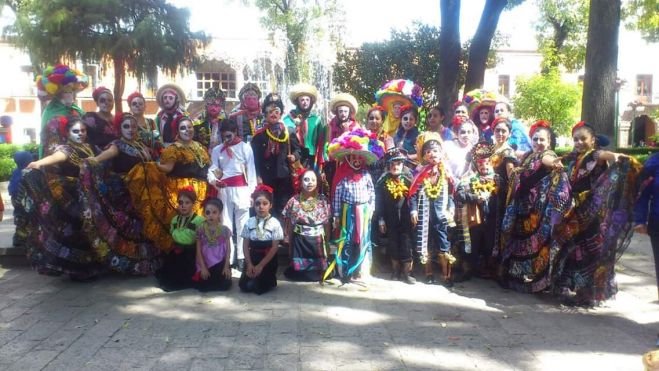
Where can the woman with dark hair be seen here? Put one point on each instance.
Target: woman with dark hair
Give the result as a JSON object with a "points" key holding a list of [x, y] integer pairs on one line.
{"points": [[48, 195], [100, 124], [110, 218], [307, 230], [539, 200], [147, 129], [407, 133], [603, 189]]}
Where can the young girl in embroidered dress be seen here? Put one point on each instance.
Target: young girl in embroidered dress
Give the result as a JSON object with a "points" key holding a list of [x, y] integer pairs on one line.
{"points": [[179, 263], [213, 250], [261, 236]]}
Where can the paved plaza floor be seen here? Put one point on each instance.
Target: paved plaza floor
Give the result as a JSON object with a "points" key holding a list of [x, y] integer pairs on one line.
{"points": [[126, 323]]}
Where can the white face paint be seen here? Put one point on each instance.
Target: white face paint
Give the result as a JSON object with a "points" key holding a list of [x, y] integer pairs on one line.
{"points": [[168, 100], [129, 129], [343, 113], [105, 102], [67, 99], [78, 133], [137, 106], [309, 182], [185, 130]]}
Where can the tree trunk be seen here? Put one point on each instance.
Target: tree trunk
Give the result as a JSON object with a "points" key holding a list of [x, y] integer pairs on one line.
{"points": [[449, 54], [119, 83], [292, 71], [599, 88], [480, 44]]}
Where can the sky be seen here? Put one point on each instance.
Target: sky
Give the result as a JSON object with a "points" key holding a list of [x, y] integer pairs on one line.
{"points": [[366, 20]]}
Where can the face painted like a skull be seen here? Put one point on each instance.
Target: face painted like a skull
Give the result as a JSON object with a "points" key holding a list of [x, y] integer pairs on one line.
{"points": [[185, 130], [309, 181], [343, 113], [251, 100], [105, 102], [78, 133], [129, 129], [137, 106], [356, 162], [67, 98], [168, 100], [214, 108]]}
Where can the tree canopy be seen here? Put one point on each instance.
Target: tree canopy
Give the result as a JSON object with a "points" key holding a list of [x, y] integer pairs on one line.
{"points": [[561, 33], [298, 21], [546, 97], [134, 36], [643, 15]]}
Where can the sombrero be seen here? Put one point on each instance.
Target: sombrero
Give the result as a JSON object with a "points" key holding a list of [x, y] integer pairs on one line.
{"points": [[343, 99], [301, 89], [171, 87], [402, 90], [481, 97], [357, 142]]}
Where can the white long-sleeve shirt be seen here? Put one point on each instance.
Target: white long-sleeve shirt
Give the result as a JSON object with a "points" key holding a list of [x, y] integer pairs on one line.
{"points": [[241, 162]]}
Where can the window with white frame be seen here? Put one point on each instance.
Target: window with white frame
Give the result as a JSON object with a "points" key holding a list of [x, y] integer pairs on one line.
{"points": [[216, 74], [504, 85]]}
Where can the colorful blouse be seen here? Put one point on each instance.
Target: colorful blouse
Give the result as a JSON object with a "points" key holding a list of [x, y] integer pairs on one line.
{"points": [[184, 228], [310, 212], [214, 241]]}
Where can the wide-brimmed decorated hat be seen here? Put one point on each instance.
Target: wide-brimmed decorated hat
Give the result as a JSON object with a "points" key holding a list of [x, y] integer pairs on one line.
{"points": [[401, 90], [171, 88], [250, 86], [58, 79], [480, 98], [301, 89], [344, 99], [357, 142], [481, 151]]}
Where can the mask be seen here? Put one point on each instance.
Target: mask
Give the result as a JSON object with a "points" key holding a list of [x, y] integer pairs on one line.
{"points": [[128, 129], [185, 131], [67, 99], [355, 162], [214, 108], [78, 133], [105, 102], [309, 182], [304, 103]]}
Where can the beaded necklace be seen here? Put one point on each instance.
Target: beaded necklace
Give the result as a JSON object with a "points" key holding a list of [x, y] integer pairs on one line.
{"points": [[273, 137], [183, 221], [260, 227], [197, 152], [79, 148], [212, 233], [309, 204], [138, 149]]}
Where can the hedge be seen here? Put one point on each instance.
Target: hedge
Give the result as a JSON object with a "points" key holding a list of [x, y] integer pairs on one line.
{"points": [[7, 164]]}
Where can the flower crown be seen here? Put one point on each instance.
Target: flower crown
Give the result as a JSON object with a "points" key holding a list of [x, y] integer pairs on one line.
{"points": [[539, 124]]}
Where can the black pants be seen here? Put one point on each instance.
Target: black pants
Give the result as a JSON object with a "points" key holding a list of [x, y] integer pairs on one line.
{"points": [[654, 240], [217, 281]]}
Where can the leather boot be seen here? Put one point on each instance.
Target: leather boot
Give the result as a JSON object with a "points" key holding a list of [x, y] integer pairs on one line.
{"points": [[430, 279], [406, 269]]}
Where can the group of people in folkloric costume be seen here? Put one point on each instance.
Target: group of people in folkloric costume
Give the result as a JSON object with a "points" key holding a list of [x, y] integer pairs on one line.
{"points": [[172, 197]]}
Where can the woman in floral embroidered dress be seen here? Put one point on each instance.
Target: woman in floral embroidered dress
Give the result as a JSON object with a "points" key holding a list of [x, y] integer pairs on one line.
{"points": [[539, 199], [307, 229], [111, 220], [603, 188], [48, 196]]}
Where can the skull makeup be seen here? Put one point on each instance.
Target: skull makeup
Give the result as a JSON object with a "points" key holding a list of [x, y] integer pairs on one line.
{"points": [[129, 128], [214, 108], [356, 162], [304, 103], [67, 98], [185, 130], [309, 181], [169, 100], [137, 106], [105, 102], [78, 132]]}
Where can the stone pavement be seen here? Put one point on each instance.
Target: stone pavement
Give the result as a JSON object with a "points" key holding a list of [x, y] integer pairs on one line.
{"points": [[118, 323]]}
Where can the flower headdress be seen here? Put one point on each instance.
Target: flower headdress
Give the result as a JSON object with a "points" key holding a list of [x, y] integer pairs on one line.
{"points": [[134, 95], [63, 121], [98, 91], [481, 150], [539, 124], [60, 78], [360, 142], [480, 97]]}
